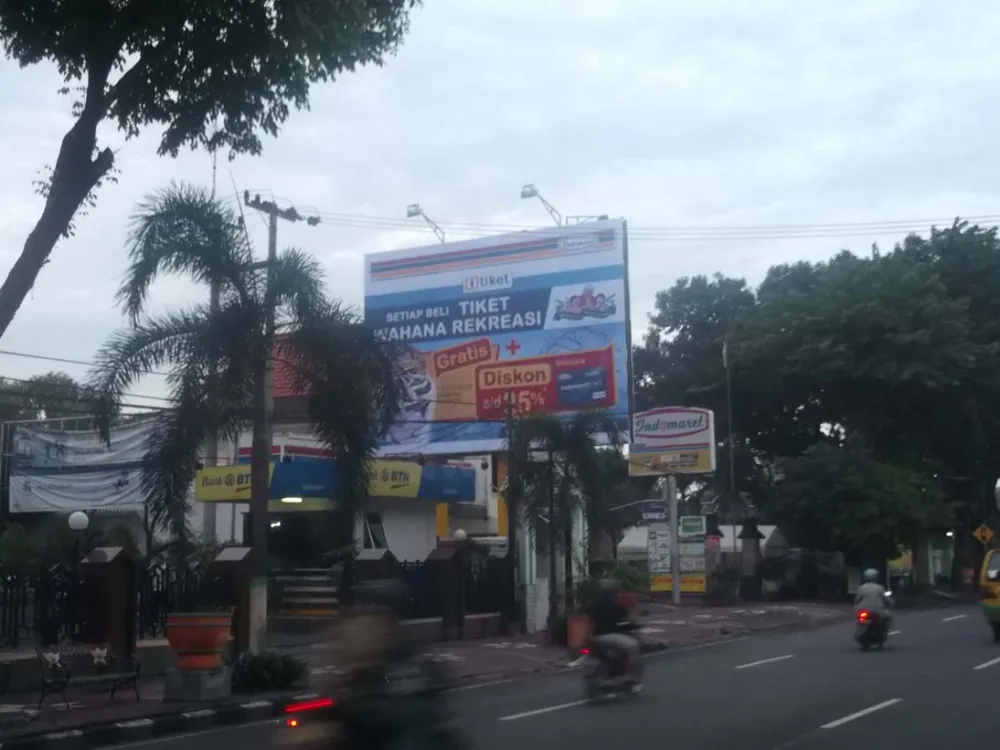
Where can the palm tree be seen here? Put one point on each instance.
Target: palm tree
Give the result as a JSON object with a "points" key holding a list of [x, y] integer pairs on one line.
{"points": [[217, 359], [570, 477]]}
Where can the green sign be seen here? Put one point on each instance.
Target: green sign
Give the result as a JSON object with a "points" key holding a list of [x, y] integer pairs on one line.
{"points": [[691, 526]]}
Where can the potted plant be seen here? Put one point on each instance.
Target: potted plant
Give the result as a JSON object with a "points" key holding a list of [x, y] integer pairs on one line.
{"points": [[199, 637]]}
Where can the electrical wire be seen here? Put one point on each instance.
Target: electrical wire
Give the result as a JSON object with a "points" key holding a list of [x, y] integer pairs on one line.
{"points": [[654, 233]]}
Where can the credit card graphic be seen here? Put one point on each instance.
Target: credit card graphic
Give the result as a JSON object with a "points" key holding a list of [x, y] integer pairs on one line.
{"points": [[582, 387]]}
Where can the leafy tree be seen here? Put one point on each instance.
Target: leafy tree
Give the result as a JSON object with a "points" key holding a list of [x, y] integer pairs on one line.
{"points": [[217, 360], [681, 364], [841, 498], [212, 74]]}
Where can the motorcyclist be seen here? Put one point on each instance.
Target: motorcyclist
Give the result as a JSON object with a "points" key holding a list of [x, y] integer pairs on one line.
{"points": [[613, 630], [873, 597], [393, 695]]}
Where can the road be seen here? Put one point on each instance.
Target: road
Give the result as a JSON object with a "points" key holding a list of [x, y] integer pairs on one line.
{"points": [[935, 685]]}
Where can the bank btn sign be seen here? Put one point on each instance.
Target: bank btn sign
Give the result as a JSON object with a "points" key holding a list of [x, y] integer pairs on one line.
{"points": [[672, 440], [538, 318]]}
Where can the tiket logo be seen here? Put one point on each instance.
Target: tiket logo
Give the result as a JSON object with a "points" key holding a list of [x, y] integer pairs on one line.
{"points": [[487, 282]]}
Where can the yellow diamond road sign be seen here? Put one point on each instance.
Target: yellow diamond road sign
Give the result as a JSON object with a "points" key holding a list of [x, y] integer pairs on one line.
{"points": [[984, 533]]}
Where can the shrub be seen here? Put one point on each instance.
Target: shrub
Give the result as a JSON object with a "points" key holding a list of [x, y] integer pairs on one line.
{"points": [[268, 670]]}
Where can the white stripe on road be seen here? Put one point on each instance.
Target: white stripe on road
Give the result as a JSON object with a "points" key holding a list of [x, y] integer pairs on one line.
{"points": [[765, 661], [546, 710], [953, 618], [987, 664], [894, 632], [863, 712]]}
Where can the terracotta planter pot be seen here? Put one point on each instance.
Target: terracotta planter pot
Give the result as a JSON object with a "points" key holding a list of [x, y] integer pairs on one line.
{"points": [[578, 631], [198, 639]]}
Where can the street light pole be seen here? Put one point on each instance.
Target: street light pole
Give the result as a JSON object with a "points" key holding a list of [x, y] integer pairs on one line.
{"points": [[530, 191], [729, 428]]}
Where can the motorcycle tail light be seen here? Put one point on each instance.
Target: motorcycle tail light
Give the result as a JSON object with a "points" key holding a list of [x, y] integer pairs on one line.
{"points": [[291, 723], [313, 704], [864, 616]]}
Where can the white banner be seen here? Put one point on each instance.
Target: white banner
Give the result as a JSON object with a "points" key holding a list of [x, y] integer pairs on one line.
{"points": [[65, 470]]}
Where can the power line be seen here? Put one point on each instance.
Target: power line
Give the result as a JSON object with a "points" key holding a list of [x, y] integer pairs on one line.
{"points": [[66, 361], [666, 233]]}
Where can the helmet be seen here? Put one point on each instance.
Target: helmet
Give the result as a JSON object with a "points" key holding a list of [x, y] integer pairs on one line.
{"points": [[871, 575]]}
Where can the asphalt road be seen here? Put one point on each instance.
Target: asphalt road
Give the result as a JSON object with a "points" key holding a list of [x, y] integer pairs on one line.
{"points": [[935, 685]]}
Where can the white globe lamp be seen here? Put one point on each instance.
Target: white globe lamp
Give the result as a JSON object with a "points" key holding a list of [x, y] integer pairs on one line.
{"points": [[460, 535], [79, 521]]}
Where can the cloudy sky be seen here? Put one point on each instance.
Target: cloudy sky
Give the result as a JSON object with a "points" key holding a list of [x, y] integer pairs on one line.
{"points": [[711, 125]]}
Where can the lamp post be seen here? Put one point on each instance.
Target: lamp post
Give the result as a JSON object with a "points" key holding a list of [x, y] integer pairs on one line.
{"points": [[530, 191], [414, 210], [78, 523]]}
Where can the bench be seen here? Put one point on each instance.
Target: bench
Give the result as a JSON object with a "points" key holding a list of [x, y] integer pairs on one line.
{"points": [[79, 664]]}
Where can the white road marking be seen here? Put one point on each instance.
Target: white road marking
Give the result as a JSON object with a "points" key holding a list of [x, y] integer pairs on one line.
{"points": [[894, 632], [859, 714], [987, 664], [479, 685], [546, 710], [953, 618], [765, 661]]}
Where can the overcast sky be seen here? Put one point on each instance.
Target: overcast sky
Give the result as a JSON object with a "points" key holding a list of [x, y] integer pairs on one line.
{"points": [[693, 119]]}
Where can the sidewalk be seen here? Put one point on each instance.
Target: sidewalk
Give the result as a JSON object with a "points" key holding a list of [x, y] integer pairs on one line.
{"points": [[92, 719]]}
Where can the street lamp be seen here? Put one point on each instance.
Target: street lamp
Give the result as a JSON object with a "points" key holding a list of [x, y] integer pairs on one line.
{"points": [[530, 191], [78, 522], [414, 210]]}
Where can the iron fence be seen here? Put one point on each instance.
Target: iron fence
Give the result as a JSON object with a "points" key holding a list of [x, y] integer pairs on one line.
{"points": [[51, 607]]}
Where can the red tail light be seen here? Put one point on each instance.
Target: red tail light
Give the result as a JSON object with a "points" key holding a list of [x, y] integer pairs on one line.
{"points": [[312, 704], [864, 616], [584, 651]]}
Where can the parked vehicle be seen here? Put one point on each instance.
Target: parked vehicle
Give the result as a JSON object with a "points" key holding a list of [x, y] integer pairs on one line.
{"points": [[989, 586]]}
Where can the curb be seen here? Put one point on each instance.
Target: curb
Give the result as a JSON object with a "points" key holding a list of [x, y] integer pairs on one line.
{"points": [[152, 727]]}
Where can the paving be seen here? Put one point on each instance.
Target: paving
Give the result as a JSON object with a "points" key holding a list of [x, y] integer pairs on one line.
{"points": [[933, 687]]}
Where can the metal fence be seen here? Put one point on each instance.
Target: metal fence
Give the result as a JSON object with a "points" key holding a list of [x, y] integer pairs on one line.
{"points": [[51, 607]]}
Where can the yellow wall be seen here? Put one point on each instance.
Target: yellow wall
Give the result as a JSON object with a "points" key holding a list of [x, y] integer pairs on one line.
{"points": [[501, 503], [441, 521]]}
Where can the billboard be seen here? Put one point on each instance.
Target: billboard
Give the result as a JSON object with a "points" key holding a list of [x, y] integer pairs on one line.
{"points": [[672, 440], [539, 317], [62, 470]]}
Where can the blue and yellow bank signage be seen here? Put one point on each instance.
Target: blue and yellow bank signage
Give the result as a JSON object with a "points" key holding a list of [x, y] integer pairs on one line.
{"points": [[318, 478]]}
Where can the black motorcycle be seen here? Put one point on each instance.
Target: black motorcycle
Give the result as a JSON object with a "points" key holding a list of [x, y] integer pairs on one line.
{"points": [[871, 630], [605, 673]]}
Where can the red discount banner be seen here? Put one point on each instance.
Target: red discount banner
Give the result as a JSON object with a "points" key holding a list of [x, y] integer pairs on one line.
{"points": [[545, 385]]}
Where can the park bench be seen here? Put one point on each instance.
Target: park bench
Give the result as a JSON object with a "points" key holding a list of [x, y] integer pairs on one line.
{"points": [[79, 664]]}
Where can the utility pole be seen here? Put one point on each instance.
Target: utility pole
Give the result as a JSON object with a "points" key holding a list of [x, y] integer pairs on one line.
{"points": [[260, 477], [670, 495], [729, 429], [209, 510], [513, 498]]}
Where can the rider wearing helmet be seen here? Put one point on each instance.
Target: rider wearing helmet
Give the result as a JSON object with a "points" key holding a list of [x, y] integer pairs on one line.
{"points": [[391, 690], [608, 615], [873, 597]]}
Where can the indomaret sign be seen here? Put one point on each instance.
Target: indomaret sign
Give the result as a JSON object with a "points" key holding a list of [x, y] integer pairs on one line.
{"points": [[672, 440]]}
